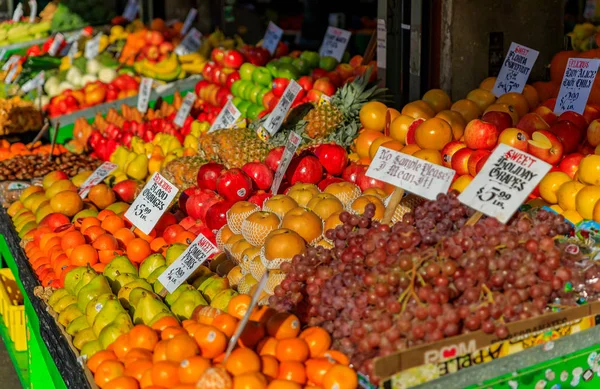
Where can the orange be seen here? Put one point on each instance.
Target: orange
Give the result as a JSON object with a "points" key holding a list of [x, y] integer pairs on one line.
{"points": [[292, 371], [250, 381], [108, 370], [267, 346], [98, 358], [242, 360], [121, 346], [185, 237], [468, 109], [106, 256], [181, 347], [211, 341], [226, 323], [162, 323], [456, 121], [238, 306], [517, 100], [170, 332], [482, 98], [52, 241], [375, 146], [488, 84], [340, 377], [123, 236], [137, 368], [434, 133], [410, 149], [262, 314], [364, 140], [372, 115], [317, 339], [532, 96], [549, 186], [215, 378], [160, 351], [399, 128], [283, 384], [71, 240], [336, 356], [316, 369], [137, 354], [93, 232], [88, 222], [66, 202], [191, 369], [165, 373], [158, 245], [123, 383], [429, 155], [142, 336], [83, 255], [292, 349], [105, 242], [437, 99], [99, 267], [418, 110], [269, 366], [283, 325], [104, 214], [147, 238], [137, 250]]}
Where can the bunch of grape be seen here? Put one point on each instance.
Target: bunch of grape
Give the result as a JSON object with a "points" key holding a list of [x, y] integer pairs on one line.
{"points": [[383, 289]]}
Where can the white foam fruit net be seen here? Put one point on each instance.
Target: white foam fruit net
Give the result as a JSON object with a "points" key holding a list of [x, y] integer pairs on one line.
{"points": [[274, 278], [235, 220], [256, 234], [257, 269], [348, 196], [219, 238], [408, 204], [246, 284], [274, 263]]}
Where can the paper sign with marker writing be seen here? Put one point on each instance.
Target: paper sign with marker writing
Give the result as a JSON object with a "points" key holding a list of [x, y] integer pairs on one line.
{"points": [[272, 37], [189, 20], [150, 205], [190, 43], [276, 117], [226, 118], [92, 47], [144, 94], [504, 182], [131, 10], [194, 255], [18, 14], [184, 110], [291, 146], [410, 173], [97, 177], [58, 40], [381, 44], [576, 85], [35, 82], [335, 43], [33, 8], [515, 70]]}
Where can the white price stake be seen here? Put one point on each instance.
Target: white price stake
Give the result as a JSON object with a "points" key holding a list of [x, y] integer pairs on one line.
{"points": [[10, 77], [33, 8], [184, 110], [191, 16], [144, 94], [515, 69], [18, 14], [3, 54], [412, 174], [272, 37], [73, 49], [194, 255], [11, 61], [190, 43], [381, 44], [226, 118], [503, 184], [276, 117], [291, 146], [576, 85], [34, 83], [150, 205], [58, 40], [97, 177], [335, 43], [92, 47], [131, 10]]}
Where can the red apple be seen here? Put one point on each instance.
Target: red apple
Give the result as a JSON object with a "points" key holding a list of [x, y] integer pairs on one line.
{"points": [[499, 119], [217, 55], [550, 103], [412, 129], [324, 183], [474, 158], [586, 149], [216, 216], [449, 150], [127, 190], [279, 85], [344, 70], [259, 197], [568, 134], [570, 164], [593, 133], [306, 169], [231, 78], [333, 158], [531, 123], [365, 182], [481, 162], [480, 135], [208, 175], [274, 157], [306, 82], [314, 95], [325, 85], [233, 59], [261, 175], [514, 137], [318, 73], [234, 185], [546, 114], [546, 146], [578, 120], [199, 202], [351, 172], [460, 161]]}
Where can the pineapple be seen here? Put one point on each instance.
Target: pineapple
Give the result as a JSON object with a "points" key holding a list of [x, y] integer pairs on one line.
{"points": [[182, 172], [233, 147]]}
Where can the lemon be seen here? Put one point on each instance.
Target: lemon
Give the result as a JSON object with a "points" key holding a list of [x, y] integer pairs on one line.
{"points": [[589, 170], [550, 184], [567, 193], [586, 200]]}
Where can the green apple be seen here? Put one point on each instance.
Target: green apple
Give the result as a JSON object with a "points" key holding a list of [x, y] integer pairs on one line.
{"points": [[254, 93], [248, 91], [243, 87], [286, 59], [253, 111], [273, 66], [261, 95], [246, 71], [288, 71], [262, 76], [328, 63], [243, 107], [312, 57], [302, 66], [235, 87], [236, 101]]}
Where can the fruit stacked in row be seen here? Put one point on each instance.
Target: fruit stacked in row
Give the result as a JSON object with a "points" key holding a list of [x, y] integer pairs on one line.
{"points": [[9, 150]]}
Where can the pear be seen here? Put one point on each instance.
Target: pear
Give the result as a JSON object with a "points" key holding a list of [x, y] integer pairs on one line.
{"points": [[217, 285], [95, 306], [72, 279], [77, 325], [136, 294], [89, 349], [69, 314], [199, 272], [158, 287], [111, 332], [64, 302], [200, 280], [147, 308], [82, 337], [138, 167], [155, 274], [118, 265], [172, 297], [160, 316], [119, 207], [56, 296], [96, 287], [124, 292], [86, 277], [221, 300], [84, 213], [174, 251], [122, 280], [107, 315], [150, 264], [186, 303]]}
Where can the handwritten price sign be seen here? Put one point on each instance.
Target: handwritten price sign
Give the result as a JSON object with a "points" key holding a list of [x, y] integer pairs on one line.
{"points": [[515, 70], [144, 94], [92, 47], [34, 83], [272, 37], [291, 146], [190, 43], [186, 107], [504, 182], [226, 118], [576, 85], [276, 117], [335, 43], [97, 177]]}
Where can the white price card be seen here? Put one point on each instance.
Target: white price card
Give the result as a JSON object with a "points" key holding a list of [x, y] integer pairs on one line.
{"points": [[34, 83], [184, 110], [576, 85], [381, 44], [144, 94], [503, 184], [92, 47], [226, 118], [272, 37], [276, 117], [335, 43], [18, 14], [11, 61], [194, 255], [12, 73], [58, 40], [150, 205], [73, 49], [33, 10], [410, 173], [191, 16], [131, 10], [515, 69], [3, 54], [96, 177], [190, 43], [291, 146]]}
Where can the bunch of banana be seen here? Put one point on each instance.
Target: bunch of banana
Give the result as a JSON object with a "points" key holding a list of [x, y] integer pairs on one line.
{"points": [[166, 70], [193, 63]]}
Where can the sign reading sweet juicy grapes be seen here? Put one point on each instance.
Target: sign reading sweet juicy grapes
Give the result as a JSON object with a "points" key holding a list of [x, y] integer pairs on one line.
{"points": [[576, 85], [291, 146], [515, 70], [412, 174], [504, 182], [276, 117], [184, 110], [144, 94], [96, 177], [226, 118], [335, 43], [150, 205], [272, 37], [194, 255]]}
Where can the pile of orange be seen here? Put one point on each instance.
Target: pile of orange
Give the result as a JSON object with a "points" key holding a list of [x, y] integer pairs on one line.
{"points": [[9, 150], [272, 353]]}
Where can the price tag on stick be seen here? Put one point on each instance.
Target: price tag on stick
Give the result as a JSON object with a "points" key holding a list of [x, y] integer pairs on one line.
{"points": [[58, 40], [226, 118], [33, 8], [10, 77], [144, 94], [503, 184], [576, 85], [97, 177], [190, 43], [335, 43], [92, 47], [291, 146], [34, 83], [184, 110], [11, 61], [131, 10], [412, 174], [194, 255], [515, 70], [18, 14], [189, 20], [272, 37], [276, 117], [150, 205]]}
